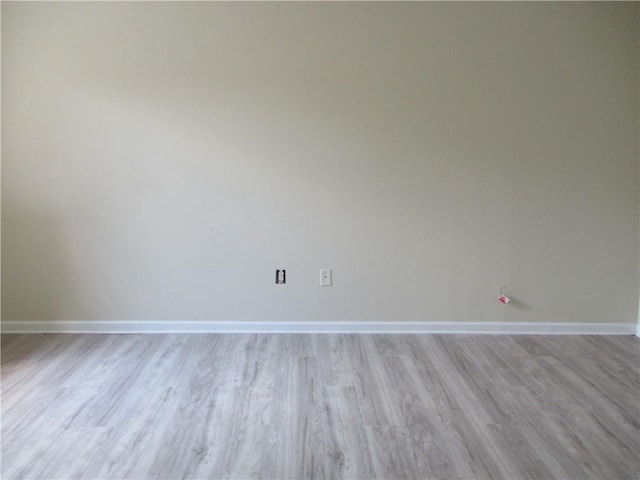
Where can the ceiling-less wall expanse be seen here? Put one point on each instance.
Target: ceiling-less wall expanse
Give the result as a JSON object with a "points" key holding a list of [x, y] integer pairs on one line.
{"points": [[161, 160]]}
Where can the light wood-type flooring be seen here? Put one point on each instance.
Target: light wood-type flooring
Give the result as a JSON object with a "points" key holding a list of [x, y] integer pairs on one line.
{"points": [[320, 406]]}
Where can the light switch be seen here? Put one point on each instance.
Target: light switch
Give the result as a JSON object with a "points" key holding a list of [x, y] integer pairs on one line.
{"points": [[325, 277]]}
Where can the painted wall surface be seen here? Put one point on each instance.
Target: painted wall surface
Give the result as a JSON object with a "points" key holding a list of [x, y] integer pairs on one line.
{"points": [[161, 160]]}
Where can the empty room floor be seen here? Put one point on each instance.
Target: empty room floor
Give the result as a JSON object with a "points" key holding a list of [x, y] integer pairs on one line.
{"points": [[320, 406]]}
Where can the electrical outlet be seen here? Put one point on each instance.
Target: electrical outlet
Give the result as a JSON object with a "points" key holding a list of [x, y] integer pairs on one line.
{"points": [[281, 277], [326, 279]]}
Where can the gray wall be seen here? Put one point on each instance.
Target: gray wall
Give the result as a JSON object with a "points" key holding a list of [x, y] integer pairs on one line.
{"points": [[160, 160]]}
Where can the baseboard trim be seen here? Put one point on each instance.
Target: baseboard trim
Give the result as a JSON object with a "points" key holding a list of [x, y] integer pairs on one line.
{"points": [[492, 328]]}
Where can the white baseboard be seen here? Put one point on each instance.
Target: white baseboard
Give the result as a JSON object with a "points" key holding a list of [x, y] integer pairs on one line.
{"points": [[493, 328]]}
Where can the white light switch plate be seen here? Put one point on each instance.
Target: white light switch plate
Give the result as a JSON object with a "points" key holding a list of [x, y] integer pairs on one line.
{"points": [[326, 277]]}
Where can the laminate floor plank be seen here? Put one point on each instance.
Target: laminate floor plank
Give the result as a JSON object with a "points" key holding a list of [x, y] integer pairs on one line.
{"points": [[345, 434], [31, 359], [372, 383], [443, 453], [129, 449], [392, 453], [320, 406], [187, 441], [472, 418]]}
